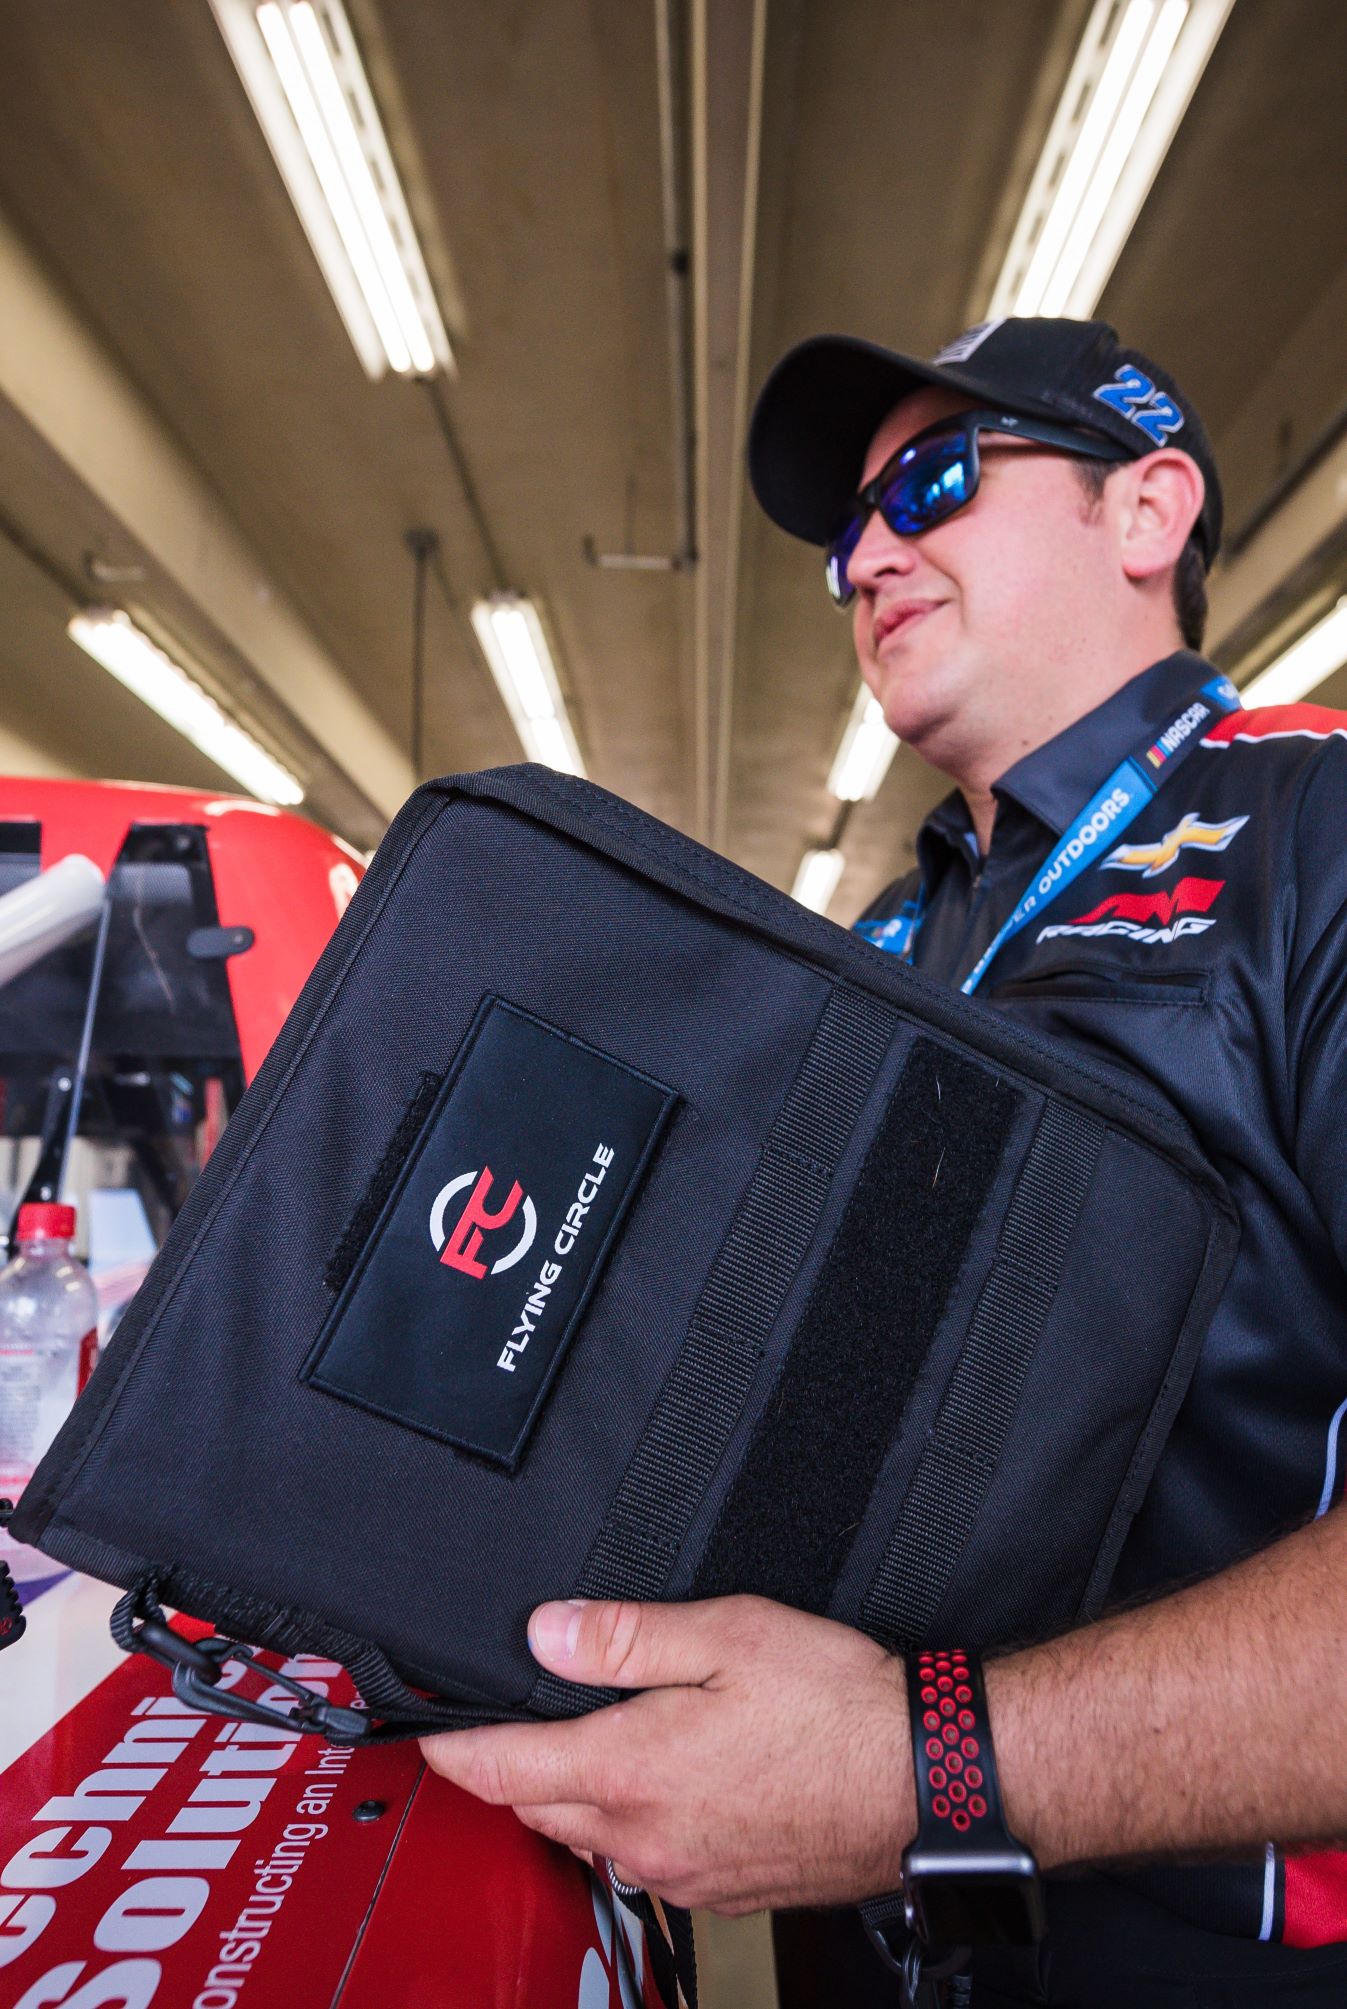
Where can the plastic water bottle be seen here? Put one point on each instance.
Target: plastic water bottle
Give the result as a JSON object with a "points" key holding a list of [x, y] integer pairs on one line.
{"points": [[48, 1344]]}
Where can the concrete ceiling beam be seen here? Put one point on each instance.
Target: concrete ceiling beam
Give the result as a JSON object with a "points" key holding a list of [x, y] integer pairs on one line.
{"points": [[1285, 555], [1286, 566], [104, 452]]}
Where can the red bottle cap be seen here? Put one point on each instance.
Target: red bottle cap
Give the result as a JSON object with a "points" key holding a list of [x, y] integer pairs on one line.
{"points": [[45, 1220]]}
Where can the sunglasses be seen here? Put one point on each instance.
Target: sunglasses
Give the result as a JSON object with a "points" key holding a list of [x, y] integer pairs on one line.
{"points": [[935, 475]]}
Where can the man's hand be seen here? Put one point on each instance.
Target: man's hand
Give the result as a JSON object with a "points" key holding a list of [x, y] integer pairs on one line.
{"points": [[766, 1762]]}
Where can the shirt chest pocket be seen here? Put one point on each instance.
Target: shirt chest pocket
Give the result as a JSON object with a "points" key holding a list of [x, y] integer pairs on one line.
{"points": [[1063, 983]]}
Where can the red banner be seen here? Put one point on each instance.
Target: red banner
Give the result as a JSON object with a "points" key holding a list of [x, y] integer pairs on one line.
{"points": [[152, 1854]]}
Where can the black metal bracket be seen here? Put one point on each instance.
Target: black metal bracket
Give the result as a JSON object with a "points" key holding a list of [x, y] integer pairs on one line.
{"points": [[211, 945]]}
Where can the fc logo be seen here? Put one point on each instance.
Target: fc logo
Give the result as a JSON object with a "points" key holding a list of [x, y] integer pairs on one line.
{"points": [[460, 1244]]}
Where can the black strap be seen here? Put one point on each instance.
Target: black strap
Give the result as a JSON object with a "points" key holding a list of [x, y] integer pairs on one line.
{"points": [[955, 1470], [923, 1983], [802, 1484], [13, 1624], [704, 1396], [668, 1944]]}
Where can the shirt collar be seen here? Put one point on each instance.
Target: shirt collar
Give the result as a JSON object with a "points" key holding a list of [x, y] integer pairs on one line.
{"points": [[947, 828], [1056, 780]]}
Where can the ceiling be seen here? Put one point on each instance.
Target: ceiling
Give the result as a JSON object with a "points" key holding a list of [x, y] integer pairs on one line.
{"points": [[853, 166]]}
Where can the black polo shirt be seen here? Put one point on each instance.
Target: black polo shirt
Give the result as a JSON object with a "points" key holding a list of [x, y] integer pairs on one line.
{"points": [[1207, 950]]}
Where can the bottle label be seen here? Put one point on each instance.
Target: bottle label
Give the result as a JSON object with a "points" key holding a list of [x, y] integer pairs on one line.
{"points": [[88, 1358], [20, 1415]]}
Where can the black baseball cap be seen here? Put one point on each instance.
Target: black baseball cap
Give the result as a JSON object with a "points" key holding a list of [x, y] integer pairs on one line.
{"points": [[825, 400]]}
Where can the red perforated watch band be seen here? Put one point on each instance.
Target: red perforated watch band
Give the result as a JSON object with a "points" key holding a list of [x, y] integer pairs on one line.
{"points": [[967, 1879], [953, 1740]]}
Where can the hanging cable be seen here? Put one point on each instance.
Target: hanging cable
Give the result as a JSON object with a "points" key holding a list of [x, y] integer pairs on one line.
{"points": [[431, 387], [423, 545]]}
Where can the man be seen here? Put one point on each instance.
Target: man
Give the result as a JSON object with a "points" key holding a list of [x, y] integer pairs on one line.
{"points": [[1020, 595]]}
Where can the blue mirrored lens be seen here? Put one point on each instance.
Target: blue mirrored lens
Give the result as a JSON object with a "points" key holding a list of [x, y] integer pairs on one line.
{"points": [[927, 484], [839, 556], [924, 490]]}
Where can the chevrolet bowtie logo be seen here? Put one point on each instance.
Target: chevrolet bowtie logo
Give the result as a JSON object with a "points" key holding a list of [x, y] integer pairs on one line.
{"points": [[1192, 833]]}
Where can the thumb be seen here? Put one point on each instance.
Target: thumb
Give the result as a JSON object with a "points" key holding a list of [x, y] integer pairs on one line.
{"points": [[619, 1644]]}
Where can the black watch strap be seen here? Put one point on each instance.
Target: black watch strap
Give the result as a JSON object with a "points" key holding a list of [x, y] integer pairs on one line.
{"points": [[967, 1880]]}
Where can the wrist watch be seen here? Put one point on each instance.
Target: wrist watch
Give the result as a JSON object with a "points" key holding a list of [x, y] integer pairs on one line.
{"points": [[967, 1880]]}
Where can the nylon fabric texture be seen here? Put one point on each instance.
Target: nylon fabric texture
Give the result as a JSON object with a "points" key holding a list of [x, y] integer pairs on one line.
{"points": [[736, 1237]]}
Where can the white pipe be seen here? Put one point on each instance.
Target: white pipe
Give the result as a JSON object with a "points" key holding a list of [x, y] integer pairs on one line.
{"points": [[44, 912], [676, 277]]}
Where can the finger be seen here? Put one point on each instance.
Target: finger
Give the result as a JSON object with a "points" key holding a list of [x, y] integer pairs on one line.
{"points": [[526, 1764], [579, 1828], [620, 1644]]}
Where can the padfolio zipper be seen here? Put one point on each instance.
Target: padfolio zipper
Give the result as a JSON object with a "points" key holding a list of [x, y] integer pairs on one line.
{"points": [[394, 1712]]}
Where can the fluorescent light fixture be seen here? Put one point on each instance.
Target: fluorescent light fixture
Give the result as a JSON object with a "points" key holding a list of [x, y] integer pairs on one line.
{"points": [[863, 757], [512, 639], [302, 70], [1134, 74], [816, 880], [113, 639], [1320, 651]]}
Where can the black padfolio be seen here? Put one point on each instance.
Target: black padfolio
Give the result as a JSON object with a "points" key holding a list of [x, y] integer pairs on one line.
{"points": [[604, 1223]]}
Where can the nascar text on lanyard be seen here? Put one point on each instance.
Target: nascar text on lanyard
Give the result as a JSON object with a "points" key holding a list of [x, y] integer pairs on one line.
{"points": [[1122, 798]]}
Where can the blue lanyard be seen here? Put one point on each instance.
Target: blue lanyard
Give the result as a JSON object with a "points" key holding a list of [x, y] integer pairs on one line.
{"points": [[1107, 813]]}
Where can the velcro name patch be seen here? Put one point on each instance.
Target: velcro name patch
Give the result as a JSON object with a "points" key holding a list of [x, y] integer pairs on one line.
{"points": [[457, 1314]]}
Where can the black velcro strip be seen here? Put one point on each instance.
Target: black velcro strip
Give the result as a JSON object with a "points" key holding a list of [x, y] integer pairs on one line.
{"points": [[806, 1481], [370, 1205], [701, 1402], [956, 1467]]}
